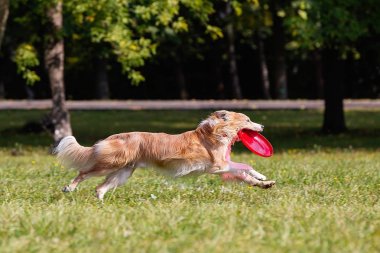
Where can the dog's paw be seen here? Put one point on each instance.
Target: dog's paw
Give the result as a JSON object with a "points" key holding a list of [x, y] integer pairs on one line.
{"points": [[260, 177], [267, 184], [257, 175], [100, 194], [67, 189]]}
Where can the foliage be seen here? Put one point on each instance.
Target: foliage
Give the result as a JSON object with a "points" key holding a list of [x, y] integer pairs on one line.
{"points": [[129, 30], [331, 24], [26, 58], [134, 32], [253, 18], [107, 22]]}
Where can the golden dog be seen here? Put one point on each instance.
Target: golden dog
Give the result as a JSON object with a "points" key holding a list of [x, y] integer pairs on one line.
{"points": [[204, 150]]}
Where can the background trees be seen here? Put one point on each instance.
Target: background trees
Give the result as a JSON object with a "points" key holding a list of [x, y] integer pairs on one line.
{"points": [[54, 63], [333, 30], [196, 49], [4, 12]]}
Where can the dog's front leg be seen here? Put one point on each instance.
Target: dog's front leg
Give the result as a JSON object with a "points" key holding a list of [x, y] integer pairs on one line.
{"points": [[244, 167], [247, 178], [240, 172]]}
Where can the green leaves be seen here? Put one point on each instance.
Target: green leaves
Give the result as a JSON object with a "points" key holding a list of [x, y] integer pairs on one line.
{"points": [[214, 31], [26, 58], [132, 30], [180, 25], [334, 24], [302, 14]]}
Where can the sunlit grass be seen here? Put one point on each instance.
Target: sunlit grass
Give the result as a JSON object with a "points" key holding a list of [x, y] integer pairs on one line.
{"points": [[326, 198]]}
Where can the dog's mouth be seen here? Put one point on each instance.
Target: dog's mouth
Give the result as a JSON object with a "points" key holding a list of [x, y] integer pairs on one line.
{"points": [[233, 141], [229, 147]]}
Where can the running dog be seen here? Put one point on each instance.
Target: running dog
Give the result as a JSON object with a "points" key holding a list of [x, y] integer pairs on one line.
{"points": [[206, 149]]}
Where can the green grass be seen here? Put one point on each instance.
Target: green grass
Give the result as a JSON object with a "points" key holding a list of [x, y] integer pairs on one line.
{"points": [[326, 198]]}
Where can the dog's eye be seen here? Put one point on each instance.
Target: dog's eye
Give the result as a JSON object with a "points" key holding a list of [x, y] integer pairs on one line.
{"points": [[223, 117], [248, 120]]}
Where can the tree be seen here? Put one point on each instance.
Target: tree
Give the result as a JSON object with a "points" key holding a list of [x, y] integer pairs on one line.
{"points": [[254, 23], [54, 63], [319, 80], [48, 15], [126, 29], [264, 73], [333, 27], [102, 85], [231, 51], [279, 42], [333, 70], [185, 39], [241, 20], [4, 12]]}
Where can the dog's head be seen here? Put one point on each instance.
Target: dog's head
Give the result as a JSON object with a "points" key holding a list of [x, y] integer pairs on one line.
{"points": [[223, 126]]}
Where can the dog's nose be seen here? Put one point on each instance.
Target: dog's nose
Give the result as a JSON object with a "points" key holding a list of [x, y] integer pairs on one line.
{"points": [[262, 127]]}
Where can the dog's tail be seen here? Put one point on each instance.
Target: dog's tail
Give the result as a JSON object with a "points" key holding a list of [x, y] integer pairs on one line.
{"points": [[72, 155]]}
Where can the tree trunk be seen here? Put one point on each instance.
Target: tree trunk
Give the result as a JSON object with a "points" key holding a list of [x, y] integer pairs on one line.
{"points": [[233, 69], [318, 91], [4, 12], [2, 90], [265, 84], [280, 75], [3, 72], [333, 68], [181, 81], [102, 85], [54, 63], [29, 92], [220, 88]]}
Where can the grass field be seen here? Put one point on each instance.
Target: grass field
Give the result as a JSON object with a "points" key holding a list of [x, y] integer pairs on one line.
{"points": [[326, 198]]}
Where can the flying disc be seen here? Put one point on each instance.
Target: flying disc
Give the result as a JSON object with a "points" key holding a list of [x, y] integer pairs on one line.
{"points": [[256, 142]]}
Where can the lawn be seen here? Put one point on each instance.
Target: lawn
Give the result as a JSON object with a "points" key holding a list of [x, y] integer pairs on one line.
{"points": [[326, 198]]}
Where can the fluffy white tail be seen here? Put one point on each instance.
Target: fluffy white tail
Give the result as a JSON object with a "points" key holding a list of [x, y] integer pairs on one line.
{"points": [[72, 155]]}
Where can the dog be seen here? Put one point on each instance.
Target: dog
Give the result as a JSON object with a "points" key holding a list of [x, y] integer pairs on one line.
{"points": [[203, 150]]}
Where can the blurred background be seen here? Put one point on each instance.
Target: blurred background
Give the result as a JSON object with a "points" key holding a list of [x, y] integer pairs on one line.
{"points": [[189, 49], [193, 49]]}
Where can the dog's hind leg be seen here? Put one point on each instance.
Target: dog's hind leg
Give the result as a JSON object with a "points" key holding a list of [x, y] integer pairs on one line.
{"points": [[114, 180], [96, 171], [80, 178]]}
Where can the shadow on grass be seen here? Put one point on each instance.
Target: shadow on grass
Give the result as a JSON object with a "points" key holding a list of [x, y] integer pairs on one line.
{"points": [[285, 129]]}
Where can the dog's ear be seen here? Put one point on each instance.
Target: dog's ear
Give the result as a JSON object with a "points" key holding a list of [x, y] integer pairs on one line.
{"points": [[221, 115], [207, 126]]}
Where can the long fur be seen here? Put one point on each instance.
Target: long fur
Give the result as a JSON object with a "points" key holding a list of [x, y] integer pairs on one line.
{"points": [[204, 150], [72, 155]]}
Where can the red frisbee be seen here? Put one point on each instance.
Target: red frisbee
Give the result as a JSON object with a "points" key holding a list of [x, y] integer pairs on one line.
{"points": [[255, 142]]}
